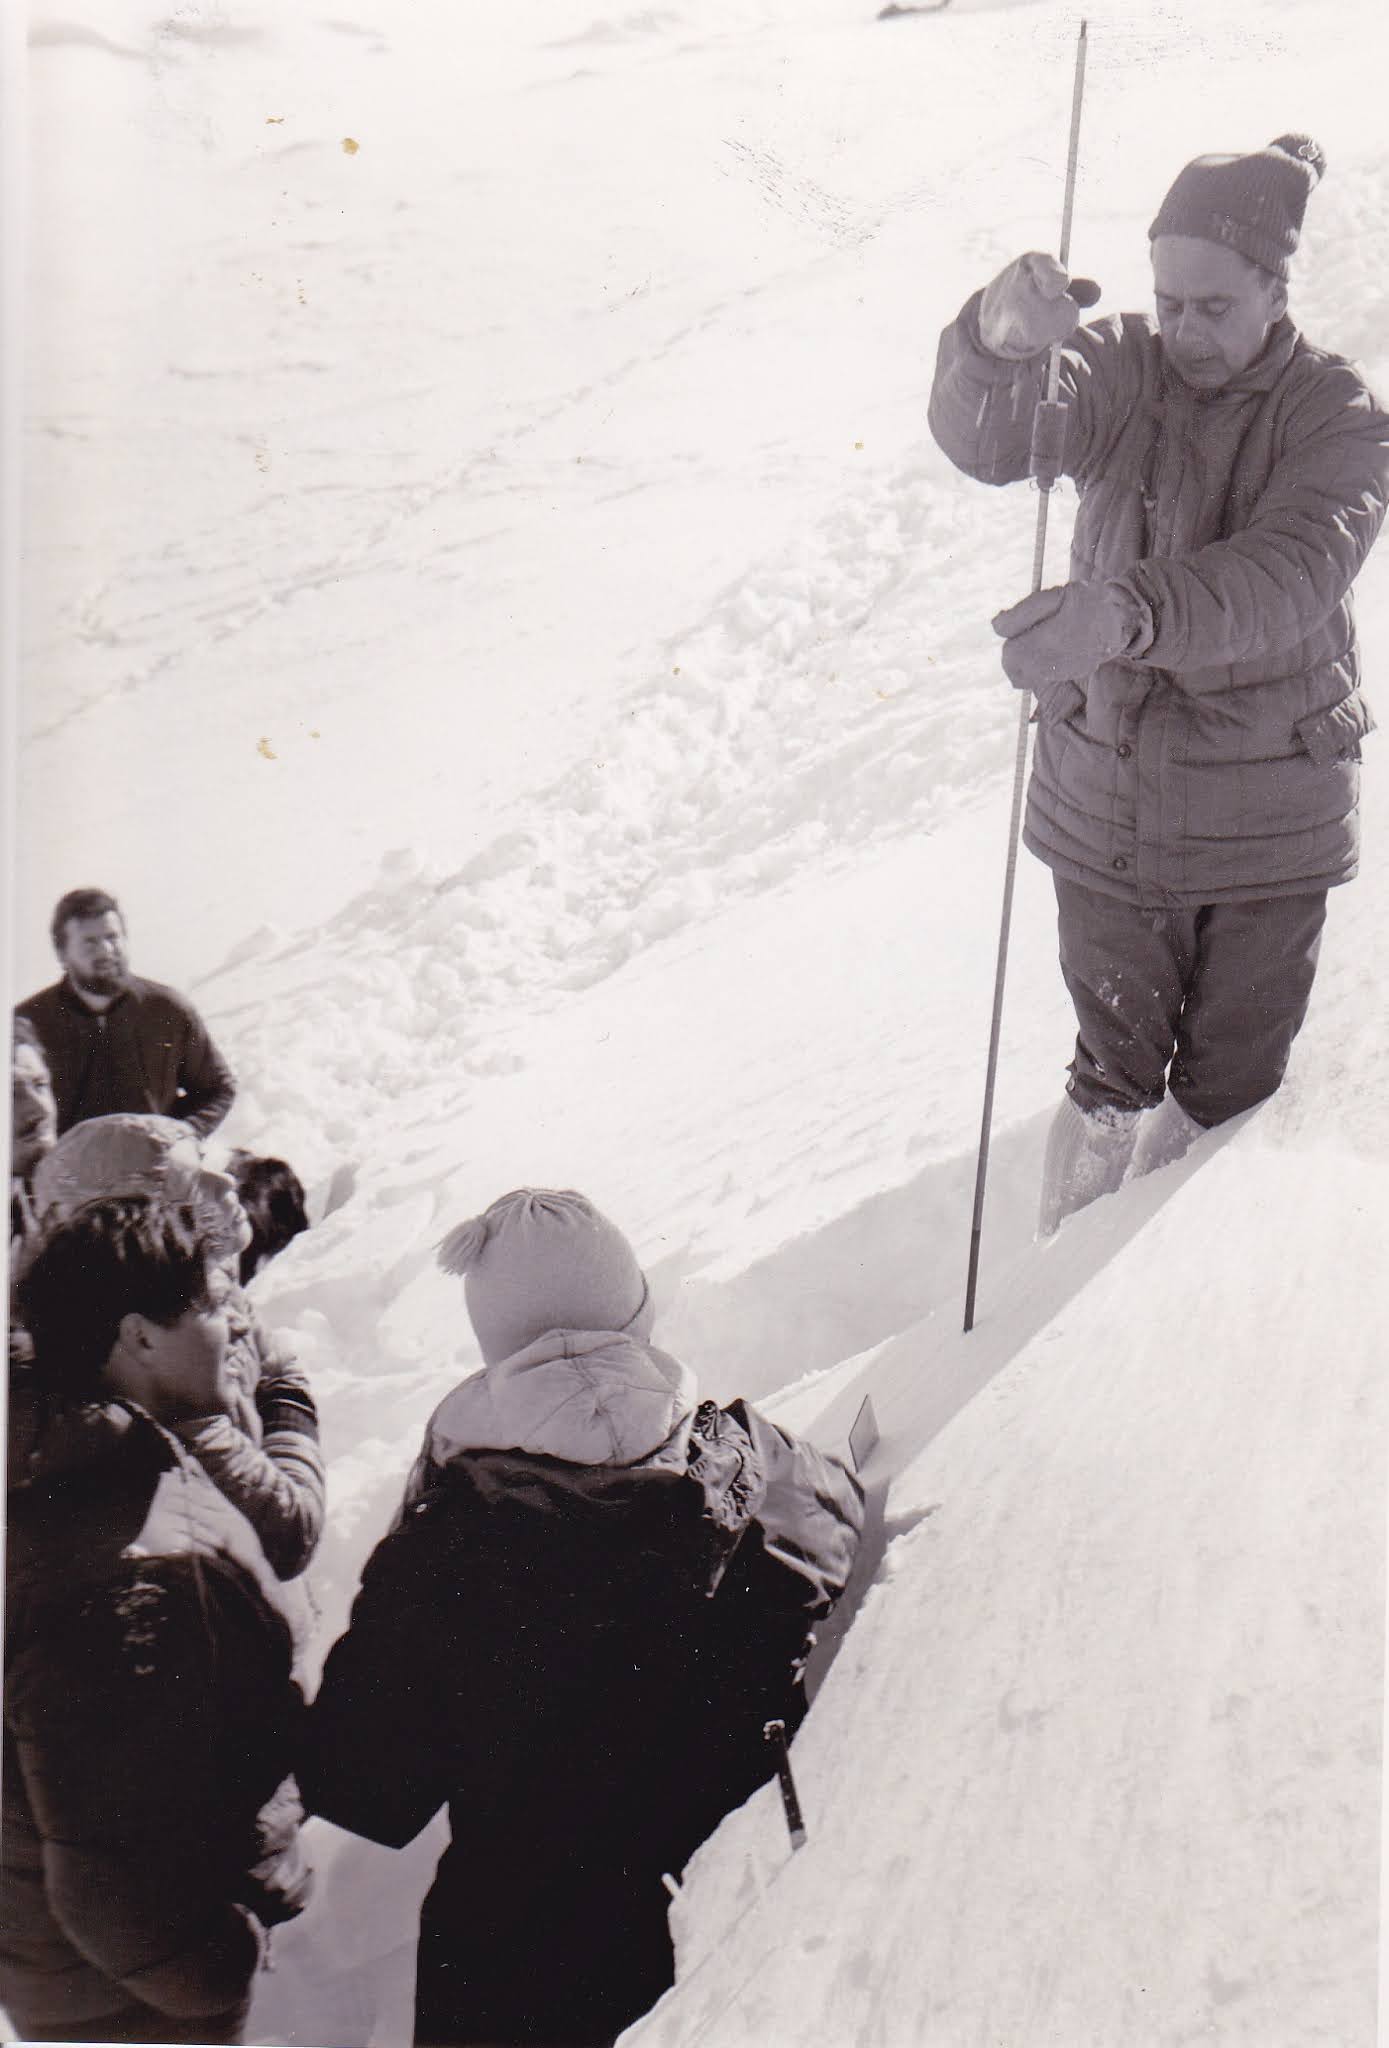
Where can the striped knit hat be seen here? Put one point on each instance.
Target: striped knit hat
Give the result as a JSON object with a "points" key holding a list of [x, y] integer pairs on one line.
{"points": [[1253, 204]]}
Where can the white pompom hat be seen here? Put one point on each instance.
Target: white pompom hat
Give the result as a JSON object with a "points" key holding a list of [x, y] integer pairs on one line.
{"points": [[544, 1259]]}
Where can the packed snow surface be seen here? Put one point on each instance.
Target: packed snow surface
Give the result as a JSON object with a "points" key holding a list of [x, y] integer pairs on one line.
{"points": [[495, 616]]}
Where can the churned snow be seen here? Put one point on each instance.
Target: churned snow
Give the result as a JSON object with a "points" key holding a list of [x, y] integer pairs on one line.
{"points": [[495, 616]]}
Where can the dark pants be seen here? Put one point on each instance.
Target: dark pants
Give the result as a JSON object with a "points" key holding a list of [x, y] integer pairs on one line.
{"points": [[1205, 1001], [571, 1961]]}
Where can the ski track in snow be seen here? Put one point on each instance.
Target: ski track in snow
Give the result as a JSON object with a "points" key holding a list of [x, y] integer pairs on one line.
{"points": [[791, 731]]}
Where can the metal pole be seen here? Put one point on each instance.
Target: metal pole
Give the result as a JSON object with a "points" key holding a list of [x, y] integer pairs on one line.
{"points": [[775, 1733], [1047, 434]]}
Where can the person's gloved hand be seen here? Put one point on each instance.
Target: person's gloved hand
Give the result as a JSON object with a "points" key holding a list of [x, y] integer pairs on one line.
{"points": [[1063, 634], [1030, 304]]}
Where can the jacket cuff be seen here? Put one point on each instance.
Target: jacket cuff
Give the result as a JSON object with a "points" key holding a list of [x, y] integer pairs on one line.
{"points": [[284, 1401], [1134, 620]]}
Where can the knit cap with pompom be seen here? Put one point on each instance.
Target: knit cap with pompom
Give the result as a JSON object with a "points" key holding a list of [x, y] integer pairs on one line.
{"points": [[1253, 204], [544, 1259]]}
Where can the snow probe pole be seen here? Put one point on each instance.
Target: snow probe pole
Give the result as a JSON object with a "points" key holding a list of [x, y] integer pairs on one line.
{"points": [[775, 1733], [1048, 440]]}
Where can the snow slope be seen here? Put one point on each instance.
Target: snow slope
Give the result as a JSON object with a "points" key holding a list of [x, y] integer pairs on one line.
{"points": [[1100, 1760], [494, 614]]}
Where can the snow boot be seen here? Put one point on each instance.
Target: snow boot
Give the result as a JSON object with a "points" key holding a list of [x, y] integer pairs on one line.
{"points": [[1087, 1156], [1166, 1134]]}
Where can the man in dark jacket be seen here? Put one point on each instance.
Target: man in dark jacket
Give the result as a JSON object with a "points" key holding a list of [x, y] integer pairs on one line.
{"points": [[115, 1042], [150, 1717], [597, 1594], [1199, 717]]}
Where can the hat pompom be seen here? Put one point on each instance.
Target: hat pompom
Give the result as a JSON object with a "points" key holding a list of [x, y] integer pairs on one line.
{"points": [[460, 1248], [543, 1259], [1305, 150]]}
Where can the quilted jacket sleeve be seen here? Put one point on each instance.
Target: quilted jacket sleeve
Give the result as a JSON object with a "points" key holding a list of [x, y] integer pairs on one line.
{"points": [[116, 1726], [1282, 576], [279, 1483], [811, 1515], [374, 1759], [981, 407]]}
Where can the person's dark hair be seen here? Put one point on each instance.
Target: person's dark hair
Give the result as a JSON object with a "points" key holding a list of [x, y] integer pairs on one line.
{"points": [[80, 903], [122, 1254], [273, 1198]]}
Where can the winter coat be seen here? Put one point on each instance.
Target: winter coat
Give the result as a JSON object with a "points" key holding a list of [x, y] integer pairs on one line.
{"points": [[263, 1454], [581, 1660], [149, 1053], [149, 1830], [1218, 761]]}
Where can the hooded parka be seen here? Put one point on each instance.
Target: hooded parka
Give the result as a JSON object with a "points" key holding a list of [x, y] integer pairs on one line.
{"points": [[580, 1656], [1218, 760]]}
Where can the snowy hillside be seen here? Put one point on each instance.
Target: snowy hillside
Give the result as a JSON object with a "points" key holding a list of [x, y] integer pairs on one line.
{"points": [[497, 619]]}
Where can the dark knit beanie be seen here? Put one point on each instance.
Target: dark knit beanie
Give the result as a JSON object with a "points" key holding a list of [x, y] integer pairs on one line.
{"points": [[1250, 203]]}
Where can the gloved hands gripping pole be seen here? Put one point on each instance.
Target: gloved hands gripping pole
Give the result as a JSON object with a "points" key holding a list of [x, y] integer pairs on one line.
{"points": [[1032, 304]]}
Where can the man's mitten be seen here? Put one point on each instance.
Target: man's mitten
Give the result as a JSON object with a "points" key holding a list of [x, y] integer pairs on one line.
{"points": [[1030, 304], [1065, 633]]}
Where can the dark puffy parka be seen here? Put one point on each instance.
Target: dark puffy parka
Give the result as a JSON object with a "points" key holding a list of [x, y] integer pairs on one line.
{"points": [[150, 1827], [1219, 760], [581, 1661]]}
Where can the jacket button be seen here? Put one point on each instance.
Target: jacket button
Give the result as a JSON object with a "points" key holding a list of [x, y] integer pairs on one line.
{"points": [[1124, 750], [1118, 861]]}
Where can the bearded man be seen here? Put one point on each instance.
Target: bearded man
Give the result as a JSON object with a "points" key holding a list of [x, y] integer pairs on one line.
{"points": [[116, 1043]]}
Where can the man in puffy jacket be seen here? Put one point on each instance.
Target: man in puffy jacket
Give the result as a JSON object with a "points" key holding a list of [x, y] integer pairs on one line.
{"points": [[260, 1447], [114, 1041], [150, 1718], [596, 1595], [1199, 716]]}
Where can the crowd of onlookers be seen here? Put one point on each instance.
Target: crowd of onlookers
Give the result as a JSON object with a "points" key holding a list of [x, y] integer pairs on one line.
{"points": [[595, 1598]]}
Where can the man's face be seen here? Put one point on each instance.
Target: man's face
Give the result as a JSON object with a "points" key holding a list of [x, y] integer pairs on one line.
{"points": [[1214, 310], [34, 1113], [93, 954], [184, 1363]]}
